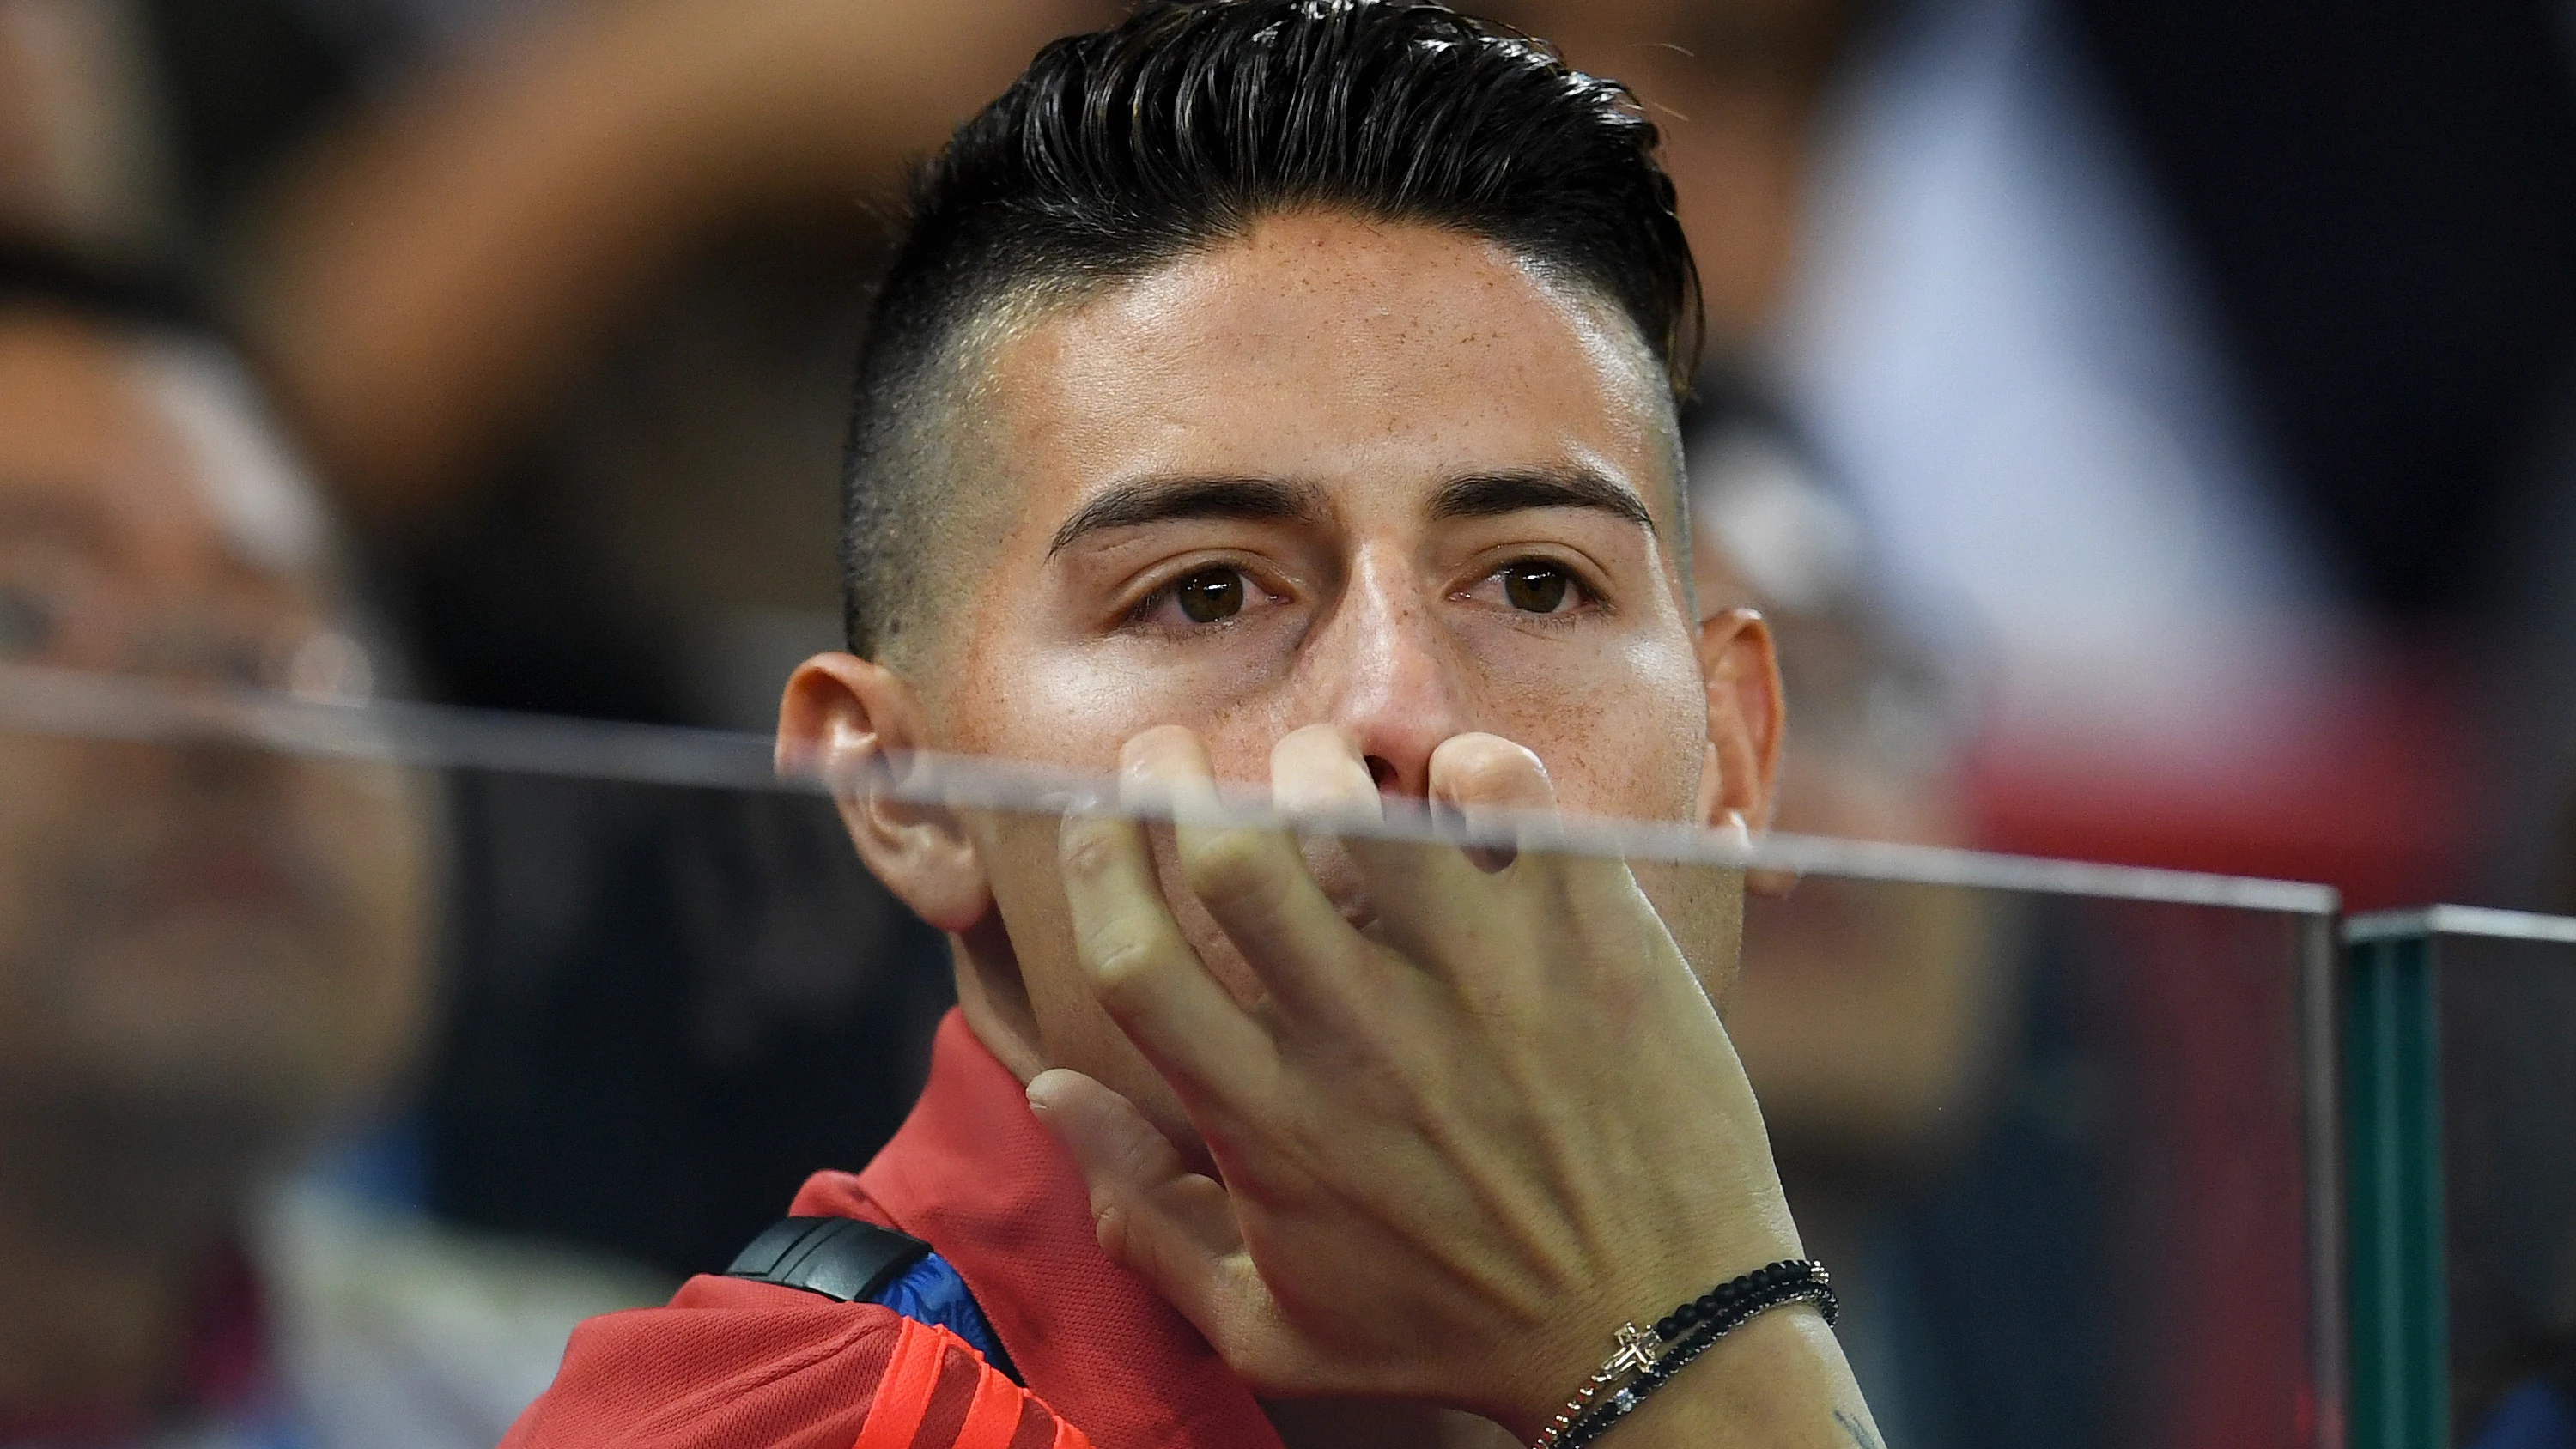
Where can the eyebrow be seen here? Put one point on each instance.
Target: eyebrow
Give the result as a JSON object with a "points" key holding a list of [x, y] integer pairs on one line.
{"points": [[1485, 495], [1161, 500]]}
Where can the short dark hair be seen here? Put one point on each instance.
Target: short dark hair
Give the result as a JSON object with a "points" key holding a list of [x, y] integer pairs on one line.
{"points": [[1122, 150]]}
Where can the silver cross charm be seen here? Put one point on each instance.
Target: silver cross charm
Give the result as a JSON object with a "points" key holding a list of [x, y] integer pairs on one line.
{"points": [[1636, 1351]]}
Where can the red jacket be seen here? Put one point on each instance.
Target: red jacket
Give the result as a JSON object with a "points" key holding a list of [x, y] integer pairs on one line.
{"points": [[732, 1364]]}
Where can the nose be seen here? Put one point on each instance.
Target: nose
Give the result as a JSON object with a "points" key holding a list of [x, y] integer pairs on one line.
{"points": [[1387, 673]]}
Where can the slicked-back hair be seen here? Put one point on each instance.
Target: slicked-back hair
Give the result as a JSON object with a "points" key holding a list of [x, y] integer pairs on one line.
{"points": [[1123, 150]]}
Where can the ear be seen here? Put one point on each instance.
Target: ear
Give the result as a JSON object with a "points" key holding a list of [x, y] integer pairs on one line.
{"points": [[1746, 718], [841, 711]]}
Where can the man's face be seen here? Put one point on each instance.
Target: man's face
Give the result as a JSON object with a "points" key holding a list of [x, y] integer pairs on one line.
{"points": [[193, 938], [1381, 477]]}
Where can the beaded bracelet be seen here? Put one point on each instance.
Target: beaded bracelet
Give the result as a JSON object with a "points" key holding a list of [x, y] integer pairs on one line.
{"points": [[1639, 1366]]}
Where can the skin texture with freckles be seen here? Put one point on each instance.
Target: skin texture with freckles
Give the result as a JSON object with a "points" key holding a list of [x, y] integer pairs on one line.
{"points": [[1365, 367]]}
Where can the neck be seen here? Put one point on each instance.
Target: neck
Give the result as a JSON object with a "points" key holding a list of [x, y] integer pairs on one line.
{"points": [[95, 1294], [993, 999]]}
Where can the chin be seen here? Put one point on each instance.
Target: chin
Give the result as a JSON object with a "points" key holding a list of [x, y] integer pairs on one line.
{"points": [[270, 1017]]}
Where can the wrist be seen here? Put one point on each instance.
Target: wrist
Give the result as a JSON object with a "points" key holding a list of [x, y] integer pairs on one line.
{"points": [[1645, 1356], [1780, 1379], [1576, 1342]]}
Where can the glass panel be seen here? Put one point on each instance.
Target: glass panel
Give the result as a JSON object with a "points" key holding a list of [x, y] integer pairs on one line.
{"points": [[2063, 1138], [2393, 1128], [599, 998], [2504, 993]]}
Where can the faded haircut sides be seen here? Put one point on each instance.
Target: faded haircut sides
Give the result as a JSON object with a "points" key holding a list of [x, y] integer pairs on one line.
{"points": [[1123, 150]]}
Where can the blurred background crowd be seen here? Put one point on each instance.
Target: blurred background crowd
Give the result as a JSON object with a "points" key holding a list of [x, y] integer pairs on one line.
{"points": [[2151, 428]]}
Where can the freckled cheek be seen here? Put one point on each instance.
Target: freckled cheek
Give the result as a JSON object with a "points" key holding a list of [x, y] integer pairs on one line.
{"points": [[1044, 705], [1075, 701], [1076, 706], [1622, 730]]}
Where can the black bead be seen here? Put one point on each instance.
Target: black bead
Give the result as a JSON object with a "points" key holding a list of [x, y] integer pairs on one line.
{"points": [[1665, 1328], [1688, 1313]]}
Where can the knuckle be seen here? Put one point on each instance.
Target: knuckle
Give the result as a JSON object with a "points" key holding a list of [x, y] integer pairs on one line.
{"points": [[1123, 975], [1087, 850], [1227, 866], [1267, 1356], [1112, 1226]]}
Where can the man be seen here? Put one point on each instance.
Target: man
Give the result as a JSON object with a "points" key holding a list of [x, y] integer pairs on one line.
{"points": [[1279, 391], [211, 957]]}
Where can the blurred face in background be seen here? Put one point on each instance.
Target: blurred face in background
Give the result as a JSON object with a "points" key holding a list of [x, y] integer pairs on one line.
{"points": [[205, 950]]}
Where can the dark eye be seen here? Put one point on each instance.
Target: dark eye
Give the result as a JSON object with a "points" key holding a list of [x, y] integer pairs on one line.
{"points": [[1535, 587], [1209, 595], [26, 624]]}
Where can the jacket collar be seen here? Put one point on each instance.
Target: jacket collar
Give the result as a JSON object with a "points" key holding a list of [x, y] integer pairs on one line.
{"points": [[972, 1173]]}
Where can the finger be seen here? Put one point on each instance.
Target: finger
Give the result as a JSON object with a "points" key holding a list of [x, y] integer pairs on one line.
{"points": [[1489, 773], [1487, 777], [1156, 1218], [1144, 973], [1446, 908], [1319, 770], [1481, 777], [1430, 899], [1175, 1229], [1254, 883]]}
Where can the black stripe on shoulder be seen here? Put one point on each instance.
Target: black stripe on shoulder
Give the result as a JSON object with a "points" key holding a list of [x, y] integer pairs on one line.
{"points": [[843, 1259]]}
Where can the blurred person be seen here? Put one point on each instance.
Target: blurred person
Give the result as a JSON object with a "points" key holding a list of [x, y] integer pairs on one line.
{"points": [[568, 560], [213, 959], [1867, 1016], [78, 128], [1878, 1023], [430, 279], [1297, 378], [565, 295], [545, 300]]}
